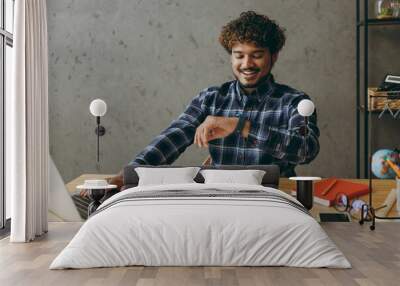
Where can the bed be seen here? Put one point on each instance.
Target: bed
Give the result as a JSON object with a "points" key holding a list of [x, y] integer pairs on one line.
{"points": [[198, 224]]}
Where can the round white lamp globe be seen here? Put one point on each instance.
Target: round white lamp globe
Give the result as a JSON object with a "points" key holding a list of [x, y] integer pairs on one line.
{"points": [[306, 107], [98, 107]]}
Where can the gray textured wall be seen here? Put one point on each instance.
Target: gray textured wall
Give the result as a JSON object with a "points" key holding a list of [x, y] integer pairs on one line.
{"points": [[147, 59]]}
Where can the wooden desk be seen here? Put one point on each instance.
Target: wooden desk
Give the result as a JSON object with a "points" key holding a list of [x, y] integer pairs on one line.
{"points": [[381, 189]]}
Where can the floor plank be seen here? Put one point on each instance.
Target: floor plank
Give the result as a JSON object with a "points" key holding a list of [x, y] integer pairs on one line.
{"points": [[375, 257]]}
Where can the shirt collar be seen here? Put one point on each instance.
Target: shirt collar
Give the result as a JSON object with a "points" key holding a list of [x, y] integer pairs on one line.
{"points": [[261, 92]]}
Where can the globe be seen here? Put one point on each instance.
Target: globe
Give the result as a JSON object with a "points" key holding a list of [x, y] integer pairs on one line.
{"points": [[380, 168]]}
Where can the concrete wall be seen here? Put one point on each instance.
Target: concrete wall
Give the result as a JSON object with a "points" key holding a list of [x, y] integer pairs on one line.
{"points": [[147, 59]]}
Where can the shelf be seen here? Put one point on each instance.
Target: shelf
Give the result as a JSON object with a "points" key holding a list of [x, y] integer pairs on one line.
{"points": [[380, 22]]}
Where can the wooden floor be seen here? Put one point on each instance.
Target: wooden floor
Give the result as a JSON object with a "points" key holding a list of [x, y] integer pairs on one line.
{"points": [[375, 256]]}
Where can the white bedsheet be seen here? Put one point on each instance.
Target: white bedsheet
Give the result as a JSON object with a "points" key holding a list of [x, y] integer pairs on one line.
{"points": [[200, 231]]}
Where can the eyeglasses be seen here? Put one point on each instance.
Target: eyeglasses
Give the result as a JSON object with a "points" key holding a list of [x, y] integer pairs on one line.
{"points": [[354, 207]]}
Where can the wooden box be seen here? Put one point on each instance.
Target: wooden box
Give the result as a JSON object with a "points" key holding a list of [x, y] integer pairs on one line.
{"points": [[378, 99]]}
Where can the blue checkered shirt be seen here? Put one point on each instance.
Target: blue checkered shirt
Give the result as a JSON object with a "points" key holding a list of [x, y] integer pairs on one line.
{"points": [[274, 136]]}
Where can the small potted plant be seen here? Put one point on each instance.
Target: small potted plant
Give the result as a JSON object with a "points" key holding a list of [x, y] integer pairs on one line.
{"points": [[384, 8]]}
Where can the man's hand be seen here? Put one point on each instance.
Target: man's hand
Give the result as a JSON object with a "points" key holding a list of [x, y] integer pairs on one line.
{"points": [[214, 127], [116, 180]]}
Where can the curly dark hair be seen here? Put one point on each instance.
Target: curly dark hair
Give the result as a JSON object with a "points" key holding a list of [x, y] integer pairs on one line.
{"points": [[254, 28]]}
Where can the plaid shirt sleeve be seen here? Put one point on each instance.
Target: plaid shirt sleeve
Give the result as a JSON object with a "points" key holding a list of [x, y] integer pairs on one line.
{"points": [[173, 141], [289, 144]]}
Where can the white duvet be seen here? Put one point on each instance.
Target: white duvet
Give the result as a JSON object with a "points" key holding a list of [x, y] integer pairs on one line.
{"points": [[200, 231]]}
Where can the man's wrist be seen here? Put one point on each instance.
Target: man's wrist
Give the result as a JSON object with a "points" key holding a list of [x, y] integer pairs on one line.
{"points": [[233, 122], [246, 129], [230, 123]]}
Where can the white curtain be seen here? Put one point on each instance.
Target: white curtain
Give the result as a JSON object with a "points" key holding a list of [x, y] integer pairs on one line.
{"points": [[27, 143]]}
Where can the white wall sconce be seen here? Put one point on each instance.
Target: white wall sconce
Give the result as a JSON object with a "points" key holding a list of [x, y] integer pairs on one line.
{"points": [[98, 108], [304, 193]]}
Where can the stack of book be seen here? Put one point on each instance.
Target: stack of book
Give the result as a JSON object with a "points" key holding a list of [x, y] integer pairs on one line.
{"points": [[326, 191]]}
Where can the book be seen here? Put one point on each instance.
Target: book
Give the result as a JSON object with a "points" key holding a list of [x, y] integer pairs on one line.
{"points": [[325, 191]]}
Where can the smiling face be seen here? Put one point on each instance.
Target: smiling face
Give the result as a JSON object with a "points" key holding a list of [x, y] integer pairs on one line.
{"points": [[251, 64]]}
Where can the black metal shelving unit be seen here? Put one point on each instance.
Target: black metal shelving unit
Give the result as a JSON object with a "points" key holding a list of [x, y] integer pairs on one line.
{"points": [[362, 109], [362, 25]]}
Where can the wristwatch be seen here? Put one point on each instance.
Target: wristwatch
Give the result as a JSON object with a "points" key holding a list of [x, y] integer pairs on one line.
{"points": [[240, 125]]}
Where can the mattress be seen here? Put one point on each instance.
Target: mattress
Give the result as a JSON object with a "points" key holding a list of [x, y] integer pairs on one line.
{"points": [[201, 225]]}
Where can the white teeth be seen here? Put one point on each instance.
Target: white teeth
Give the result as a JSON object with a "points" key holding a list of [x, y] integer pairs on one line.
{"points": [[249, 73]]}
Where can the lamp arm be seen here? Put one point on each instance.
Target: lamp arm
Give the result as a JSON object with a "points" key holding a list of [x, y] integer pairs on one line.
{"points": [[98, 138], [304, 129], [305, 135]]}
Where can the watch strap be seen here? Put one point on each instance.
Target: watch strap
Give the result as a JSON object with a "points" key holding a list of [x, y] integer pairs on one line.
{"points": [[240, 124]]}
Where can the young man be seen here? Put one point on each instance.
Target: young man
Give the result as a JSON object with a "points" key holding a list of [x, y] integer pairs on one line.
{"points": [[251, 120]]}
